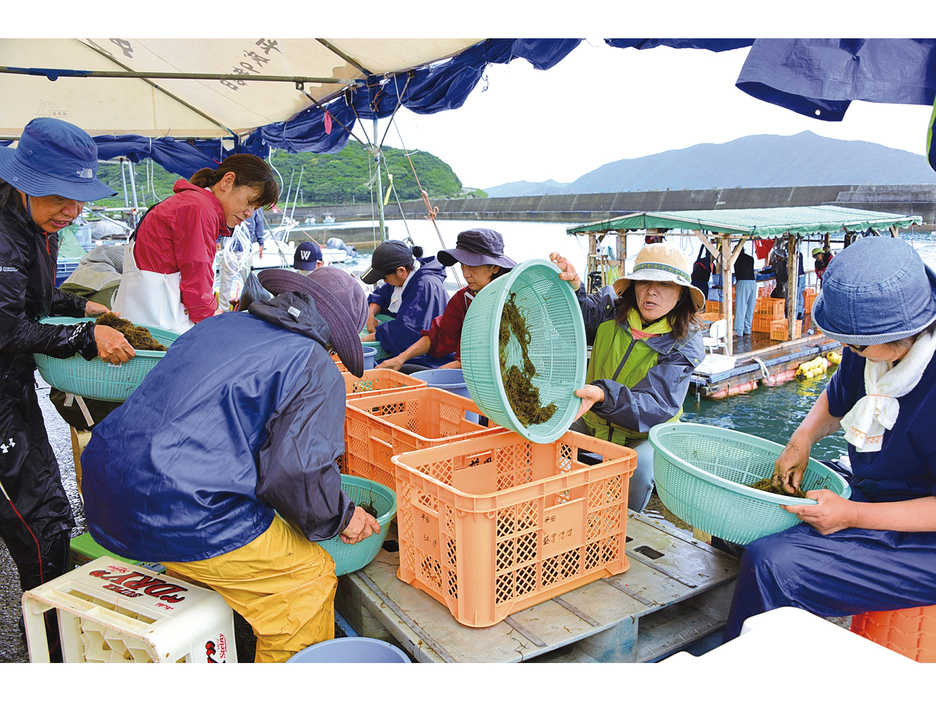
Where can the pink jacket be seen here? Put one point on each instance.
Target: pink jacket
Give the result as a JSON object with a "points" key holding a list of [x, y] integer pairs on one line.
{"points": [[180, 235]]}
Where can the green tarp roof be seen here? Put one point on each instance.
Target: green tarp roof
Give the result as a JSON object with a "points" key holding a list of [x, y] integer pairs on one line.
{"points": [[759, 223]]}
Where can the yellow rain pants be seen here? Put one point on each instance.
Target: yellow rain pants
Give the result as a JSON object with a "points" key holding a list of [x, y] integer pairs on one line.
{"points": [[281, 583]]}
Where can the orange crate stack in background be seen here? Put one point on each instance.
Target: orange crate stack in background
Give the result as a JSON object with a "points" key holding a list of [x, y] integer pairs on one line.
{"points": [[809, 296], [779, 330], [771, 307], [496, 524], [382, 426]]}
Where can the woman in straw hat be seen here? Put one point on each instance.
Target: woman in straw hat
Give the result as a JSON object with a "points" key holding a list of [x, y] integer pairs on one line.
{"points": [[875, 551], [45, 184], [645, 347], [228, 474]]}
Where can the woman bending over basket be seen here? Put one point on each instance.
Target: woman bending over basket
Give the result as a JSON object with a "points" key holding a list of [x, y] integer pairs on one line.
{"points": [[877, 550], [45, 184], [645, 345], [168, 271]]}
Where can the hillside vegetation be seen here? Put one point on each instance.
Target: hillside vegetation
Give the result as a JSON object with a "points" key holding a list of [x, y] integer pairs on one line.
{"points": [[327, 179]]}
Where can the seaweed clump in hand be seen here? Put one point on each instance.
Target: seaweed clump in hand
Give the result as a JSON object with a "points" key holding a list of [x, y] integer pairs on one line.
{"points": [[138, 337], [766, 486], [518, 384]]}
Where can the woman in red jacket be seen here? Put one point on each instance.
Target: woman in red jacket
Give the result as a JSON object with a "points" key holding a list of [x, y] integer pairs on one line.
{"points": [[168, 278]]}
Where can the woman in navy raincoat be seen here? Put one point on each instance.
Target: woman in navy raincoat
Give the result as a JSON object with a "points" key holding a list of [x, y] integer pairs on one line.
{"points": [[877, 550], [227, 473]]}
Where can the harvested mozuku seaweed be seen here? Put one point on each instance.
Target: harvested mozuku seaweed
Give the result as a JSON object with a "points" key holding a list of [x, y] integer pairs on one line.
{"points": [[766, 486], [139, 337], [518, 384]]}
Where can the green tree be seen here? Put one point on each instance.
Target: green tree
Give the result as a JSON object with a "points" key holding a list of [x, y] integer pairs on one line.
{"points": [[326, 179]]}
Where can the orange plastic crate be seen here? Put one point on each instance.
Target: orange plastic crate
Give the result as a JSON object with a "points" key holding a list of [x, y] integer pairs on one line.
{"points": [[779, 330], [713, 306], [377, 428], [770, 306], [910, 632], [378, 381], [809, 296], [762, 323], [496, 524]]}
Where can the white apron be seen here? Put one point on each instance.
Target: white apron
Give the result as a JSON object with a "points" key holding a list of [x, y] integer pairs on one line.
{"points": [[150, 299]]}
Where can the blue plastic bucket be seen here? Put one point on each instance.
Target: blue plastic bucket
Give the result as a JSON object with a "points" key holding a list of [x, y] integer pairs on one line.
{"points": [[353, 649], [451, 379], [370, 357]]}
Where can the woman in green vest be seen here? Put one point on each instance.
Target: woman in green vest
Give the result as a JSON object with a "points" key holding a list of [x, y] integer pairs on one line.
{"points": [[645, 344]]}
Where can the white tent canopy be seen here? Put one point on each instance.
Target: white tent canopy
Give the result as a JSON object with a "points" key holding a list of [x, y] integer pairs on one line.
{"points": [[229, 97]]}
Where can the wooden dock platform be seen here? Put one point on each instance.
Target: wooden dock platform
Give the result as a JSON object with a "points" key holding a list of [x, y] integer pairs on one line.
{"points": [[745, 369], [676, 591]]}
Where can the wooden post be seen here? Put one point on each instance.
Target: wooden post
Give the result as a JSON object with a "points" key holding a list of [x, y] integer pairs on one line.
{"points": [[792, 282], [727, 265]]}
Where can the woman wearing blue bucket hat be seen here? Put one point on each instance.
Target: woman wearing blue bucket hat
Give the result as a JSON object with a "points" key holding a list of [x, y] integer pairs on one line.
{"points": [[44, 184], [877, 550]]}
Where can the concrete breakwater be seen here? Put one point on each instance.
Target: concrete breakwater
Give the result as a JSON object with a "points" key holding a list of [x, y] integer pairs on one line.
{"points": [[896, 199]]}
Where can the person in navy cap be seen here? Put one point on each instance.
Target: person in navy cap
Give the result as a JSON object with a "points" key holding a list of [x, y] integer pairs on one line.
{"points": [[413, 294], [44, 184], [481, 255], [876, 550], [308, 257]]}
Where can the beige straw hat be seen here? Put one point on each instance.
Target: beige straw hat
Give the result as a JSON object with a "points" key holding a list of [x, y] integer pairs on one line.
{"points": [[662, 262]]}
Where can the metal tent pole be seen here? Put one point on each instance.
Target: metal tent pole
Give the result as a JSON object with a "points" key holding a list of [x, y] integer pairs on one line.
{"points": [[380, 197]]}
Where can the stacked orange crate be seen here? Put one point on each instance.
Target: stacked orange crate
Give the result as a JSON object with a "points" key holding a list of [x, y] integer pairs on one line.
{"points": [[767, 310], [809, 296], [779, 329]]}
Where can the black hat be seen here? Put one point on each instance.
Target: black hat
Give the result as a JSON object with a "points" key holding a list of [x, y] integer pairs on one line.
{"points": [[387, 257]]}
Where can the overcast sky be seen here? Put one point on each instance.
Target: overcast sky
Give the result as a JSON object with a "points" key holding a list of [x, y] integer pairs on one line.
{"points": [[602, 104], [597, 106]]}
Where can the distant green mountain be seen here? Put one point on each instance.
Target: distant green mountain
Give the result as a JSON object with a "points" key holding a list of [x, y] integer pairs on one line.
{"points": [[762, 161], [326, 179]]}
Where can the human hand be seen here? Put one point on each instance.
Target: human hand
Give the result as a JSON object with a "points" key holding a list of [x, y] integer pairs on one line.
{"points": [[790, 465], [591, 395], [360, 527], [567, 270], [391, 363], [371, 325], [832, 514], [95, 309], [112, 346], [260, 253]]}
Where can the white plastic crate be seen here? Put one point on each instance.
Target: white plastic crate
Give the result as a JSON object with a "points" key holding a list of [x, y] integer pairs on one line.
{"points": [[110, 611]]}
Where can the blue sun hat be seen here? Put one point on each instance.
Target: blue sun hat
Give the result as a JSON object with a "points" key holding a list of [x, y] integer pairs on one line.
{"points": [[54, 158], [875, 291]]}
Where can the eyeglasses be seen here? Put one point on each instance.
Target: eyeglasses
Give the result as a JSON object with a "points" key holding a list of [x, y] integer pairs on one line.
{"points": [[857, 349]]}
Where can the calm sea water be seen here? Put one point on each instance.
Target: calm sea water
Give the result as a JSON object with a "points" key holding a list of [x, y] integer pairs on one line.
{"points": [[772, 413]]}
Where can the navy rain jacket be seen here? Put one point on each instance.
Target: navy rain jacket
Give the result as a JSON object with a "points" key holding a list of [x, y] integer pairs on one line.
{"points": [[424, 299], [242, 417]]}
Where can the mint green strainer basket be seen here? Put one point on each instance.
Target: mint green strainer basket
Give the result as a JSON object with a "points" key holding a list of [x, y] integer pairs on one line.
{"points": [[363, 492], [557, 347], [702, 475], [96, 379]]}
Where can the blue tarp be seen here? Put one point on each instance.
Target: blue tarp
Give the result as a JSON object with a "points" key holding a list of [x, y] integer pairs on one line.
{"points": [[434, 88], [814, 77]]}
